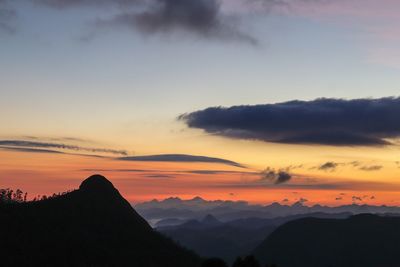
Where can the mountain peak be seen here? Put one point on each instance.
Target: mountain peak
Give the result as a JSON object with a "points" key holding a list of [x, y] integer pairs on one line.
{"points": [[210, 220], [96, 183]]}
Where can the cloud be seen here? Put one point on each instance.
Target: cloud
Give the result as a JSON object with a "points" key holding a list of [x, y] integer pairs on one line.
{"points": [[276, 176], [30, 150], [312, 184], [324, 121], [160, 176], [212, 172], [48, 151], [181, 158], [116, 170], [201, 18], [333, 166], [7, 15], [85, 3], [371, 168], [33, 144], [328, 166]]}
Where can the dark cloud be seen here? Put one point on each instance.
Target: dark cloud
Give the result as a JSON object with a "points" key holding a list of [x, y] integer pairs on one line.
{"points": [[338, 198], [202, 18], [34, 144], [88, 3], [340, 122], [181, 158], [275, 176], [7, 15], [328, 166], [199, 17], [371, 168]]}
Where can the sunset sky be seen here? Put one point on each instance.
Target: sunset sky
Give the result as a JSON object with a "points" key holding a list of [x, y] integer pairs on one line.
{"points": [[92, 86]]}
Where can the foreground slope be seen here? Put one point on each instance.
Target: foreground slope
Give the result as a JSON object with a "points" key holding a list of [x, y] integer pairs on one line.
{"points": [[92, 226], [361, 240]]}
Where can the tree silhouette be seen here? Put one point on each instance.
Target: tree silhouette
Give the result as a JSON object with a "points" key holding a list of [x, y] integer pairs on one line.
{"points": [[238, 262], [8, 196], [248, 261], [214, 262]]}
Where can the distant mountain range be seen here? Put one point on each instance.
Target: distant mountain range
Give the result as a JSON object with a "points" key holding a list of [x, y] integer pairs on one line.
{"points": [[178, 211], [210, 237], [359, 241], [91, 226]]}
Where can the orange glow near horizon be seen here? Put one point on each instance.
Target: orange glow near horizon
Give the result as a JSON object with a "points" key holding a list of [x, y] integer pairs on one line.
{"points": [[46, 173]]}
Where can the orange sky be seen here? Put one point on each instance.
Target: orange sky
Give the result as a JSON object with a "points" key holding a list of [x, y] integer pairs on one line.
{"points": [[45, 173]]}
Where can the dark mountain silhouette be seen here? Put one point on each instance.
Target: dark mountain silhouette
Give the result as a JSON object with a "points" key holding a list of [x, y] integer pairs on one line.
{"points": [[362, 240], [91, 226], [222, 241], [211, 238]]}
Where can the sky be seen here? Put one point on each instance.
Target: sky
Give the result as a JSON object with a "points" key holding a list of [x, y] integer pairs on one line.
{"points": [[257, 100]]}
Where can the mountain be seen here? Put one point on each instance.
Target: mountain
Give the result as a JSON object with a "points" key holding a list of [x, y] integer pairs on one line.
{"points": [[219, 241], [196, 208], [359, 241], [211, 238], [91, 226]]}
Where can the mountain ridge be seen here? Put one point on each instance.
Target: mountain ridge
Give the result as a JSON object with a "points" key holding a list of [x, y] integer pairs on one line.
{"points": [[91, 226]]}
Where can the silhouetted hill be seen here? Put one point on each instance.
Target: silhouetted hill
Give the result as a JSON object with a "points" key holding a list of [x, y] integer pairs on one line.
{"points": [[222, 241], [92, 226], [359, 241], [211, 238]]}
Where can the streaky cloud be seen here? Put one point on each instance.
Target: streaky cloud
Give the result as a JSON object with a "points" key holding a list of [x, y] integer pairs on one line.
{"points": [[34, 144], [30, 150], [371, 168], [181, 158]]}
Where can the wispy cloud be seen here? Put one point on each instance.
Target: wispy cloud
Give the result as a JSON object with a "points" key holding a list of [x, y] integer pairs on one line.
{"points": [[160, 176], [314, 184], [181, 158], [30, 150], [332, 166], [371, 168], [27, 144], [328, 166]]}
